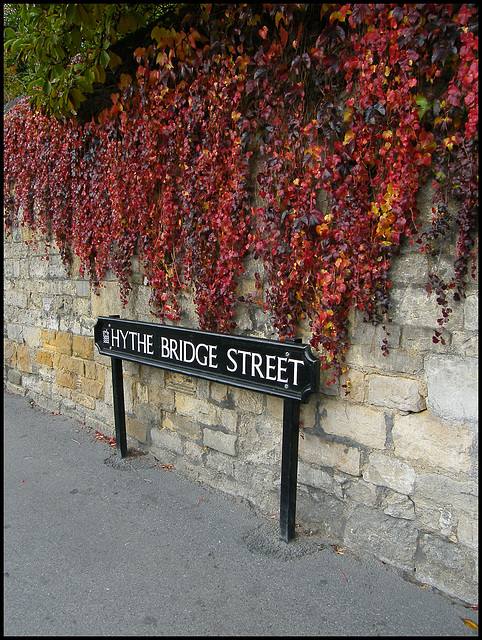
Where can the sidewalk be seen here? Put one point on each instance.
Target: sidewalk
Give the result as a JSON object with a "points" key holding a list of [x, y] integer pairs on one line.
{"points": [[98, 546]]}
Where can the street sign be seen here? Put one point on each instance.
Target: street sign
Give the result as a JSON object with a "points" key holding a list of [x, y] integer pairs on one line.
{"points": [[281, 368], [284, 369]]}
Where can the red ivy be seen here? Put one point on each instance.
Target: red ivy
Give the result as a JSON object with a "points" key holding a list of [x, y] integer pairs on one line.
{"points": [[340, 111]]}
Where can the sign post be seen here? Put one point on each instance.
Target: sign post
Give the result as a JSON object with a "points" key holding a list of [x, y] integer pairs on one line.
{"points": [[284, 369]]}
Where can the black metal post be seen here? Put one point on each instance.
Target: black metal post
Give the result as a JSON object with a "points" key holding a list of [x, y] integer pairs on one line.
{"points": [[119, 407], [289, 468]]}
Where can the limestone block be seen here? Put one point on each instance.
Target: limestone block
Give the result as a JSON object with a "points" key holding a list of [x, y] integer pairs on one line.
{"points": [[187, 427], [82, 288], [395, 393], [83, 347], [409, 269], [411, 306], [136, 428], [83, 399], [15, 332], [14, 377], [355, 382], [228, 419], [397, 360], [361, 492], [423, 438], [220, 463], [44, 357], [317, 450], [63, 342], [471, 313], [224, 442], [443, 565], [249, 401], [17, 299], [465, 344], [359, 423], [92, 388], [75, 365], [197, 409], [48, 339], [319, 479], [392, 540], [165, 439], [421, 340], [32, 336], [160, 398], [387, 471], [452, 384], [22, 359], [399, 506], [365, 333], [445, 504], [66, 379]]}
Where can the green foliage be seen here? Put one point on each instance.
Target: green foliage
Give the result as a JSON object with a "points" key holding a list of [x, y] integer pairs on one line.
{"points": [[70, 46], [299, 134]]}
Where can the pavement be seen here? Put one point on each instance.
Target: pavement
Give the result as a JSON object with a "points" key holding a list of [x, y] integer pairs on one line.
{"points": [[97, 546]]}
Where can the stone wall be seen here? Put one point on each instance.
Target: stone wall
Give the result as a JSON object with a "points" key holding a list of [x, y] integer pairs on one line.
{"points": [[387, 471]]}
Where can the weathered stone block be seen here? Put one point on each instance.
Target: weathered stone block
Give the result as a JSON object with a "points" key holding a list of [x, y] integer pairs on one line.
{"points": [[83, 347], [248, 400], [399, 506], [14, 377], [63, 343], [93, 388], [423, 438], [32, 336], [391, 540], [70, 364], [82, 288], [359, 423], [443, 565], [22, 359], [397, 360], [44, 357], [48, 339], [452, 384], [205, 412], [17, 299], [66, 379], [412, 306], [471, 313], [317, 450], [83, 399], [136, 428], [160, 398], [165, 439], [224, 442], [319, 479], [183, 425], [387, 471], [395, 393]]}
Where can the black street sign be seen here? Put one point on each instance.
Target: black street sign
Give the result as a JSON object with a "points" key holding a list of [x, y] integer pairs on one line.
{"points": [[283, 369], [287, 369]]}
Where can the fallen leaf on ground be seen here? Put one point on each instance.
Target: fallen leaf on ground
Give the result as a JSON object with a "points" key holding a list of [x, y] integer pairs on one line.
{"points": [[470, 623]]}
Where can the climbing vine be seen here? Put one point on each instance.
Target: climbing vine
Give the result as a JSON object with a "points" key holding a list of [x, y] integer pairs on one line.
{"points": [[298, 133]]}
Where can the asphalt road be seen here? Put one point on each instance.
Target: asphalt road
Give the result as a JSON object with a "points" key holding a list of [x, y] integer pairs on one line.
{"points": [[102, 547]]}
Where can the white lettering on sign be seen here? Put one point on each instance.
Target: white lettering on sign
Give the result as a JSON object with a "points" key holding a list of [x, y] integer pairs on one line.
{"points": [[267, 367], [140, 342], [184, 351]]}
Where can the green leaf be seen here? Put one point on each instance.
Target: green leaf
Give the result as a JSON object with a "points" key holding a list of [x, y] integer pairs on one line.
{"points": [[423, 105]]}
